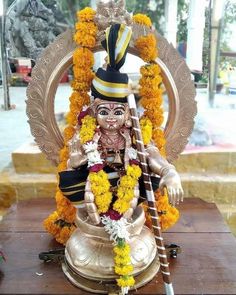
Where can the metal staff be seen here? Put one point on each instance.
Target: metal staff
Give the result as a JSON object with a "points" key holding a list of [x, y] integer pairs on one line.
{"points": [[150, 197]]}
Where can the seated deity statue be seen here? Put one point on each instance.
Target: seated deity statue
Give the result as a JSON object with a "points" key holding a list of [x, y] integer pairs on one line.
{"points": [[114, 147], [104, 179], [116, 189]]}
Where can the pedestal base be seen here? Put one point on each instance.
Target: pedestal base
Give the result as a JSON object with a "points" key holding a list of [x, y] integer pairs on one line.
{"points": [[106, 287]]}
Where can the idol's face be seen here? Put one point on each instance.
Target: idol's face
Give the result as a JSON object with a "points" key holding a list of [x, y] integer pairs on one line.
{"points": [[111, 115]]}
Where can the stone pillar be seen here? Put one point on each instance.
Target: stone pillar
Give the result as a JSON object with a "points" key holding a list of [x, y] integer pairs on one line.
{"points": [[171, 21], [3, 56], [196, 24]]}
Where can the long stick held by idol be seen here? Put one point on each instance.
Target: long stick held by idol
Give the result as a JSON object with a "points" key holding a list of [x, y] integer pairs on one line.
{"points": [[164, 265]]}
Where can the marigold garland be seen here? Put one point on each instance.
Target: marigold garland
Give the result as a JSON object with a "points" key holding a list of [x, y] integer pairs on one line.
{"points": [[147, 47], [100, 187], [151, 100], [61, 222], [123, 265], [102, 194]]}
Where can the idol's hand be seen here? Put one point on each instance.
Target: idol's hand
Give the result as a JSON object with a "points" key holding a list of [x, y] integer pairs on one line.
{"points": [[77, 156], [171, 181]]}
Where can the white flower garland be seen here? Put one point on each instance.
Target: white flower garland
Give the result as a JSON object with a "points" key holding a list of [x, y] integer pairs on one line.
{"points": [[116, 228]]}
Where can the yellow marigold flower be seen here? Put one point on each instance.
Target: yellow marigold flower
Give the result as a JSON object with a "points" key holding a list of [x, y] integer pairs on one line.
{"points": [[103, 202], [123, 270], [122, 260], [87, 14], [127, 181], [83, 57], [121, 206], [134, 171], [142, 19], [87, 130], [122, 251], [125, 194], [146, 46], [125, 281], [146, 129], [98, 188]]}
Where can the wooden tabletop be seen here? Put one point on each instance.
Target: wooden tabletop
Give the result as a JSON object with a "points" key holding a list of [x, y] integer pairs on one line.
{"points": [[207, 264]]}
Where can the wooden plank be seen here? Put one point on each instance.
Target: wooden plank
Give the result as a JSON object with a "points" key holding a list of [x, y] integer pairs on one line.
{"points": [[207, 265], [196, 216], [28, 215]]}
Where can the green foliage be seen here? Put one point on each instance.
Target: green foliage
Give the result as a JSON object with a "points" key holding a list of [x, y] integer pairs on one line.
{"points": [[229, 19], [182, 31], [153, 8], [70, 7]]}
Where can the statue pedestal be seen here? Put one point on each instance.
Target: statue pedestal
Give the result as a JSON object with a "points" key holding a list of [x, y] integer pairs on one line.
{"points": [[89, 257]]}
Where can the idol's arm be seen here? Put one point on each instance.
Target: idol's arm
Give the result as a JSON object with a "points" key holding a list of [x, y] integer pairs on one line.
{"points": [[169, 176], [77, 155]]}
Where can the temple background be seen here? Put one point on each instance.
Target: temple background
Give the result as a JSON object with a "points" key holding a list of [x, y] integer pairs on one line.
{"points": [[202, 31]]}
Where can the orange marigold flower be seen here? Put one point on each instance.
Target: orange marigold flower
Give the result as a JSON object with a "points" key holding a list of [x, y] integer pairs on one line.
{"points": [[156, 116], [49, 223], [64, 154], [87, 14], [71, 119], [83, 57], [62, 166], [150, 82], [85, 40], [68, 133], [86, 28], [150, 92], [83, 75], [80, 86], [146, 46], [150, 70], [64, 234], [142, 19], [149, 102], [158, 133]]}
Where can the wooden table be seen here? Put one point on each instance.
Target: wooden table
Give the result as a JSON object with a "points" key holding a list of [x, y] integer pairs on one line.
{"points": [[207, 264]]}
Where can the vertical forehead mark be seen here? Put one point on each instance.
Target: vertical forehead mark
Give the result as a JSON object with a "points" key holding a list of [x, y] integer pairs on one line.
{"points": [[111, 105]]}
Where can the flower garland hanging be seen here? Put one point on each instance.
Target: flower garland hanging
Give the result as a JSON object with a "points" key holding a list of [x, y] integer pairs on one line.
{"points": [[151, 100], [103, 199], [61, 222]]}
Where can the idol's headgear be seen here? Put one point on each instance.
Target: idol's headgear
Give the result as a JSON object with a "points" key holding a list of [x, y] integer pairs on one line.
{"points": [[110, 84]]}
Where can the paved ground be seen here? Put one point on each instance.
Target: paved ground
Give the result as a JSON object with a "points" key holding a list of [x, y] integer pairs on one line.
{"points": [[213, 126]]}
